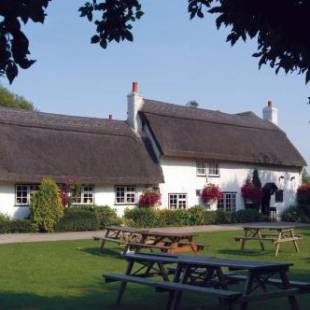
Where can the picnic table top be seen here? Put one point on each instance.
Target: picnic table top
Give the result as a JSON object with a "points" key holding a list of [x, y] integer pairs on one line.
{"points": [[126, 229], [207, 261], [268, 226], [167, 234]]}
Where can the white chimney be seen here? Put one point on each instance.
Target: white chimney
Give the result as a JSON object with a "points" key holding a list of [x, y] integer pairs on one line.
{"points": [[134, 105], [270, 113]]}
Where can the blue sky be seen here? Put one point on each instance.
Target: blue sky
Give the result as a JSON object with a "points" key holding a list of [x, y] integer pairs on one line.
{"points": [[173, 59]]}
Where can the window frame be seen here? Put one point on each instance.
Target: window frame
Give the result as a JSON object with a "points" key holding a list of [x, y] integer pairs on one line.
{"points": [[224, 202], [216, 167], [126, 194], [203, 169], [30, 188], [178, 200], [81, 195]]}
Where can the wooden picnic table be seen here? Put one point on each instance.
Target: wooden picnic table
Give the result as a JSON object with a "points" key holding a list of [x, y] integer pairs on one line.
{"points": [[168, 242], [269, 232], [205, 275], [121, 235]]}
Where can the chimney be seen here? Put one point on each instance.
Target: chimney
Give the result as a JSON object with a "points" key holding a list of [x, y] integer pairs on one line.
{"points": [[110, 117], [270, 113], [134, 105]]}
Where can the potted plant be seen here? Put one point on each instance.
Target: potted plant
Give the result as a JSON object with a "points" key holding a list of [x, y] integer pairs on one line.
{"points": [[149, 199], [211, 193]]}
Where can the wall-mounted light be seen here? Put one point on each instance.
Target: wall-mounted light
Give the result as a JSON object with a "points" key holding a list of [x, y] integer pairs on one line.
{"points": [[281, 182], [293, 182]]}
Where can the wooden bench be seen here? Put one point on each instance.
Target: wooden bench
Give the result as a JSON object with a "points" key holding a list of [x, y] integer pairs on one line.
{"points": [[301, 285], [225, 295]]}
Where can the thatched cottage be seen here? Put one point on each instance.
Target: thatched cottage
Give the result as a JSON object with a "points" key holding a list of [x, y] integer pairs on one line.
{"points": [[177, 149]]}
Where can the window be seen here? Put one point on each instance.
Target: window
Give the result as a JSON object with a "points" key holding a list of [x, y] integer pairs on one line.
{"points": [[177, 201], [204, 169], [85, 195], [201, 169], [125, 195], [228, 202], [23, 194], [213, 170]]}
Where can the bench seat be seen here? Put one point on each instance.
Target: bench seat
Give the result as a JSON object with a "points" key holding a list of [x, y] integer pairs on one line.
{"points": [[173, 286]]}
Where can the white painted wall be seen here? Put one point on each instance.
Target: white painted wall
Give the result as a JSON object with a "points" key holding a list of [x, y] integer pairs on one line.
{"points": [[180, 177], [7, 202], [105, 195]]}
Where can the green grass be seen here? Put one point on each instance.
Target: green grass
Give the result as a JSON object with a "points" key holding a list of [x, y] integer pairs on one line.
{"points": [[67, 275]]}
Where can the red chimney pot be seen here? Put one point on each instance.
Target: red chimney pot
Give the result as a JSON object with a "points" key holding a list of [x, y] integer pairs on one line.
{"points": [[135, 87], [110, 117]]}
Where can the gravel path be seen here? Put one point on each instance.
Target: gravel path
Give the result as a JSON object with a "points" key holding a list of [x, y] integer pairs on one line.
{"points": [[42, 237]]}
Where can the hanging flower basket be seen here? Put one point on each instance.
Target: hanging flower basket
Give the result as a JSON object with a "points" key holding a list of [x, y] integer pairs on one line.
{"points": [[251, 194], [211, 193], [149, 200]]}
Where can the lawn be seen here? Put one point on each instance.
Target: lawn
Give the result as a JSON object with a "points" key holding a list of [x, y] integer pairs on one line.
{"points": [[67, 275]]}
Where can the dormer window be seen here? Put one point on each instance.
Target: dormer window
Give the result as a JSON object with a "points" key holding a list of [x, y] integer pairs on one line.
{"points": [[210, 169]]}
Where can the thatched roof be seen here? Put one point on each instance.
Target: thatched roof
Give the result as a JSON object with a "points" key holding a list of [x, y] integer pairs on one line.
{"points": [[91, 150], [189, 132]]}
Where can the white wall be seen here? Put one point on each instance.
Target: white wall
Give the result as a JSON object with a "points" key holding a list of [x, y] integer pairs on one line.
{"points": [[7, 202], [180, 177], [105, 195]]}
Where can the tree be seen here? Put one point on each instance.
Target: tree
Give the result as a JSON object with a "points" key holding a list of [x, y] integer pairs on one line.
{"points": [[45, 206], [280, 28], [10, 100], [305, 177]]}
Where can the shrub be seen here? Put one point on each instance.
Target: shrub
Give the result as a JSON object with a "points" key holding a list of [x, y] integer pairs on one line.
{"points": [[246, 216], [20, 226], [143, 217], [45, 207], [222, 217], [78, 219], [106, 215], [4, 223], [294, 214], [197, 216]]}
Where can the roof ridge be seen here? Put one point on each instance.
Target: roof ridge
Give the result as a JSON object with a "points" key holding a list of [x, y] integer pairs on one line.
{"points": [[191, 117]]}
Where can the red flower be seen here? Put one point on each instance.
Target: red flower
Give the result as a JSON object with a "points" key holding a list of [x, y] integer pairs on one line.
{"points": [[149, 199], [211, 192], [250, 192]]}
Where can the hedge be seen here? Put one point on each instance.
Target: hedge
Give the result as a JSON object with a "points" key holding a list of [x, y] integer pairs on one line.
{"points": [[85, 218], [143, 217], [15, 225]]}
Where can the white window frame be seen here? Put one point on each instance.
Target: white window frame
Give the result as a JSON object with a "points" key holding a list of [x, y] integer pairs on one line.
{"points": [[207, 169], [213, 169], [229, 200], [128, 191], [86, 195], [201, 168], [179, 199], [29, 188]]}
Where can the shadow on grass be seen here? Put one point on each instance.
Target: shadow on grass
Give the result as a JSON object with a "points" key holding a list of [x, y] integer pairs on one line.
{"points": [[256, 252], [114, 252]]}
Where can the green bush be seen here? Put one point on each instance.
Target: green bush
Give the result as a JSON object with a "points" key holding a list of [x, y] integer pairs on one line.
{"points": [[4, 223], [78, 219], [246, 216], [294, 214], [45, 207], [106, 215], [20, 226], [143, 217]]}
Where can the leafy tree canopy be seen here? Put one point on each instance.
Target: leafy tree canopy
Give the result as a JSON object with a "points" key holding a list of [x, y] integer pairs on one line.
{"points": [[305, 177], [10, 100], [280, 28]]}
